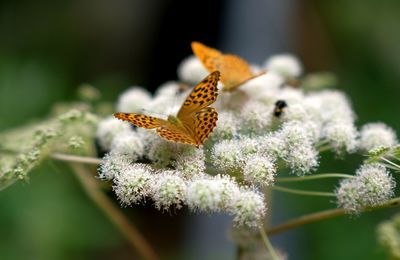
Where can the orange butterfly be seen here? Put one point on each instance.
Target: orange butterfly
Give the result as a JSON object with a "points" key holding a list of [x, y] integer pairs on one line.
{"points": [[234, 70], [195, 120]]}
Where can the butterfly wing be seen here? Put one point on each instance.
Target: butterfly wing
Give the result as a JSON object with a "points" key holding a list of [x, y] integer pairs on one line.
{"points": [[206, 121], [203, 94], [176, 134], [140, 120], [195, 120], [234, 70], [211, 58]]}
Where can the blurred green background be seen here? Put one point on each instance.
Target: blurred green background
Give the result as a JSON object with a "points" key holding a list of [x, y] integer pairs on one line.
{"points": [[48, 48]]}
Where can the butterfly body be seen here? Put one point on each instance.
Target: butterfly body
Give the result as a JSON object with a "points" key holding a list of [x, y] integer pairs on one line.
{"points": [[195, 120]]}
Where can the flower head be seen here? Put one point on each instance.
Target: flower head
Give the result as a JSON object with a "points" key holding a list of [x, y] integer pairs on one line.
{"points": [[168, 189], [163, 152], [372, 186], [376, 134], [248, 208], [108, 129], [190, 164], [212, 194], [263, 87], [128, 144], [285, 64], [255, 118], [226, 155], [134, 184], [341, 136], [133, 99], [389, 236], [191, 70], [113, 165], [260, 170]]}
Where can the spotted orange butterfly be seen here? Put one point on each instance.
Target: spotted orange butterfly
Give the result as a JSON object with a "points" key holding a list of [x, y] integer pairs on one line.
{"points": [[234, 70], [195, 120]]}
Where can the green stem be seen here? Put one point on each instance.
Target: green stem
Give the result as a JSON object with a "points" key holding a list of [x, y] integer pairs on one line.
{"points": [[268, 244], [391, 167], [303, 192], [390, 162], [325, 214], [75, 158], [314, 177], [323, 148], [114, 213]]}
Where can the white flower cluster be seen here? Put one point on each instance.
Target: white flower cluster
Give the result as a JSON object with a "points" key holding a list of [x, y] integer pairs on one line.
{"points": [[243, 153], [373, 185], [389, 236]]}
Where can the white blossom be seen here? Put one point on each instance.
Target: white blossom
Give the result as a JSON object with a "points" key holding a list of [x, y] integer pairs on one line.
{"points": [[302, 159], [373, 135], [255, 118], [272, 145], [226, 155], [191, 70], [263, 87], [341, 136], [334, 106], [260, 170], [372, 186], [129, 144], [163, 152], [227, 126], [211, 194], [133, 99], [169, 89], [190, 164], [286, 65], [108, 129], [168, 189], [133, 185], [389, 236], [248, 208], [113, 165]]}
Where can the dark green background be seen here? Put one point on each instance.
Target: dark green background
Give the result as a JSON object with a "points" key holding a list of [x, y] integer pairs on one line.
{"points": [[48, 48]]}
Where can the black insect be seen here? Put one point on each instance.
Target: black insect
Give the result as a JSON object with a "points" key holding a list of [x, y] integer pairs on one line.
{"points": [[280, 106]]}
